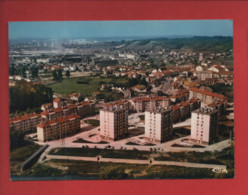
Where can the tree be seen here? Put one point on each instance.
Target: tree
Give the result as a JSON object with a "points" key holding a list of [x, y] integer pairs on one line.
{"points": [[117, 172], [67, 73], [160, 93], [23, 72], [55, 76], [16, 139], [12, 70], [143, 82], [34, 72], [149, 88], [25, 95], [60, 76]]}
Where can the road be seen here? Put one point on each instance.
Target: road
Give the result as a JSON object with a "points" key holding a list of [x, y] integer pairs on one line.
{"points": [[94, 137], [133, 161]]}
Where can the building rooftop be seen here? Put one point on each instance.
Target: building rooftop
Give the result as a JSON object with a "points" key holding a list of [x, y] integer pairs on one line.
{"points": [[208, 93], [114, 108], [147, 99], [60, 120], [23, 118], [205, 111], [57, 100], [159, 110]]}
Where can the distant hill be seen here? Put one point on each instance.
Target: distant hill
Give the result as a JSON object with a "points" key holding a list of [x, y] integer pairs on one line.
{"points": [[213, 44]]}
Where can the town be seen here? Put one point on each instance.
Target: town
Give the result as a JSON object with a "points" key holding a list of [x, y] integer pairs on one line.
{"points": [[136, 102]]}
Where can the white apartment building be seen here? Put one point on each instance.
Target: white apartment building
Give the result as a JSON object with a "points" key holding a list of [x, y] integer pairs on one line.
{"points": [[204, 125], [158, 125], [113, 122]]}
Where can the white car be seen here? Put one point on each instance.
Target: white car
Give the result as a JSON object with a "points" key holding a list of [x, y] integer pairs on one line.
{"points": [[219, 170]]}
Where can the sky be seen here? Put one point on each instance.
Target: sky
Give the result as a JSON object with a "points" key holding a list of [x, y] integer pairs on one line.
{"points": [[142, 28]]}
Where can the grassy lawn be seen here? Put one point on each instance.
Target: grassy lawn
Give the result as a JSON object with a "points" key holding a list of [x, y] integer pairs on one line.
{"points": [[105, 153], [80, 140], [93, 122], [85, 169], [75, 152], [135, 144], [142, 117], [68, 86], [134, 132], [194, 146], [132, 144], [19, 155], [226, 157], [162, 171], [103, 170]]}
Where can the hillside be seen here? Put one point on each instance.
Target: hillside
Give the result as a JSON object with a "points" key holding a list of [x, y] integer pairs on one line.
{"points": [[213, 44]]}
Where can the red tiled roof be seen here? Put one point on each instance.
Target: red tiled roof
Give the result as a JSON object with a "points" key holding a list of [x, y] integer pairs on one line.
{"points": [[51, 111], [60, 120], [138, 87], [184, 104], [120, 102], [72, 106], [23, 118], [85, 103], [146, 99], [208, 93], [96, 93], [176, 107], [213, 105], [44, 112], [193, 100], [166, 72], [57, 100], [159, 98], [109, 105], [47, 105]]}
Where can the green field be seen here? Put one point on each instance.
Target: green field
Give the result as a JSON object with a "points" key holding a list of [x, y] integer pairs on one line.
{"points": [[93, 122], [104, 170], [19, 155], [90, 152], [70, 85]]}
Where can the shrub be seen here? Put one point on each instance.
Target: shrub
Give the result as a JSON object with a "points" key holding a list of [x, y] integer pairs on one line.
{"points": [[117, 172]]}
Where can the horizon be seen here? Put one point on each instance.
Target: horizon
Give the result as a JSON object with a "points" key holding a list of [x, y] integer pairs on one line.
{"points": [[120, 29], [117, 38]]}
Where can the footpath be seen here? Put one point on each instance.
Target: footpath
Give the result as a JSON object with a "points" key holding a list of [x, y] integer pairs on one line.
{"points": [[134, 161]]}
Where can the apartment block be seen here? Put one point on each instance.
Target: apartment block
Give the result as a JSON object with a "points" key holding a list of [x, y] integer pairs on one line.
{"points": [[220, 105], [82, 109], [203, 75], [206, 96], [204, 125], [183, 110], [142, 104], [158, 125], [25, 123], [57, 129], [113, 122]]}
